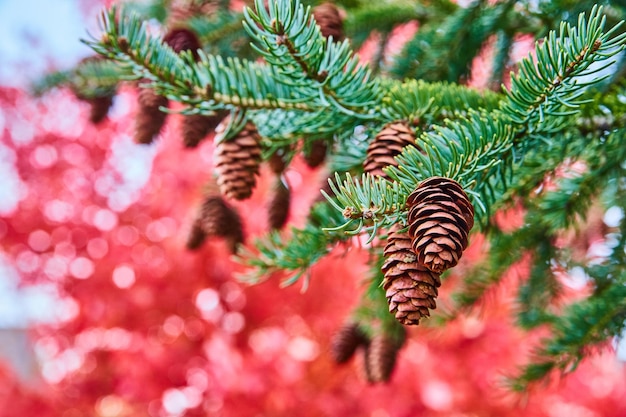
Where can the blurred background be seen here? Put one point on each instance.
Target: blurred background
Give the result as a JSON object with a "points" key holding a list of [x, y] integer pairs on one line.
{"points": [[103, 312]]}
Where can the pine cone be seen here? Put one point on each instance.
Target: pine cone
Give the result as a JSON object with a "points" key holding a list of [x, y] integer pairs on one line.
{"points": [[316, 154], [277, 160], [278, 210], [237, 161], [217, 218], [346, 341], [410, 288], [380, 358], [99, 108], [149, 119], [387, 144], [328, 17], [196, 237], [440, 218], [197, 126], [181, 39]]}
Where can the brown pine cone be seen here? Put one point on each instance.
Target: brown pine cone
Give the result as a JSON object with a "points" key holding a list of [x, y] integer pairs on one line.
{"points": [[196, 237], [237, 161], [99, 108], [149, 118], [388, 144], [440, 219], [315, 155], [278, 160], [410, 288], [218, 218], [346, 341], [196, 127], [181, 39], [380, 358], [278, 210], [329, 19]]}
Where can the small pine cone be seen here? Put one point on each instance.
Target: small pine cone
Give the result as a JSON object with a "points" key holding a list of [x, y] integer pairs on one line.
{"points": [[387, 144], [196, 127], [217, 218], [99, 108], [440, 218], [237, 161], [278, 210], [149, 119], [410, 288], [380, 358], [196, 237], [346, 341], [181, 39], [278, 160], [329, 19], [316, 154]]}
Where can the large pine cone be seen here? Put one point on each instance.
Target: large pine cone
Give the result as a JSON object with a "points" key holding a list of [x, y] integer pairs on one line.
{"points": [[346, 341], [387, 144], [440, 218], [380, 357], [329, 19], [149, 119], [237, 161], [410, 288], [278, 210], [216, 218]]}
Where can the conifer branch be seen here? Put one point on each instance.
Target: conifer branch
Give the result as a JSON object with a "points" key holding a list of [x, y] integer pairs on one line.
{"points": [[296, 256], [212, 81], [325, 72], [543, 94]]}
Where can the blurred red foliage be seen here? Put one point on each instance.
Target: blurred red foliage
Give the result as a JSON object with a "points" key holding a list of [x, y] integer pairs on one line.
{"points": [[146, 328]]}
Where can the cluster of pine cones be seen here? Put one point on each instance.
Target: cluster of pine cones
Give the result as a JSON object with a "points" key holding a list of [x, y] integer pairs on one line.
{"points": [[440, 217]]}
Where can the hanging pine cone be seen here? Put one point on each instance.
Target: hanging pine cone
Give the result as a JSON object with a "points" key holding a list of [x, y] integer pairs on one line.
{"points": [[99, 108], [278, 160], [181, 39], [237, 161], [196, 237], [346, 341], [216, 218], [149, 118], [380, 357], [278, 210], [387, 144], [410, 288], [315, 155], [328, 17], [196, 127], [440, 218]]}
